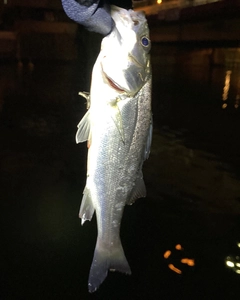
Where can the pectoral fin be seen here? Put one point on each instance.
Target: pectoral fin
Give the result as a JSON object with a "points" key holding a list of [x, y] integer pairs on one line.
{"points": [[86, 209], [83, 132]]}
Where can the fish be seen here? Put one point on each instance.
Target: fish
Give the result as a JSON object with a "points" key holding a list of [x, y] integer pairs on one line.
{"points": [[118, 130]]}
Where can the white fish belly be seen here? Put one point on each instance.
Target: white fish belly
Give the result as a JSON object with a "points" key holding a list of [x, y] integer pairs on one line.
{"points": [[113, 164]]}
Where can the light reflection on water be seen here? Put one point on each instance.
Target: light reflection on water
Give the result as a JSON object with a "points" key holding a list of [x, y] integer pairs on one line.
{"points": [[215, 72], [233, 261], [232, 81], [226, 87], [177, 259]]}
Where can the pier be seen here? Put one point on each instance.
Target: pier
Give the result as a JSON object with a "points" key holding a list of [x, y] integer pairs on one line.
{"points": [[201, 22], [42, 30]]}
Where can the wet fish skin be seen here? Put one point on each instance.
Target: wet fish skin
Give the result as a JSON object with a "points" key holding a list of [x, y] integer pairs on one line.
{"points": [[118, 129]]}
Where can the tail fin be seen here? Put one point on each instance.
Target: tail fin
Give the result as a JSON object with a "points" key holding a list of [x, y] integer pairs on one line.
{"points": [[106, 259]]}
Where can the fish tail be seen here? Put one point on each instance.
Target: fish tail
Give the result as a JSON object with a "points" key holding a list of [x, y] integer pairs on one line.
{"points": [[104, 260]]}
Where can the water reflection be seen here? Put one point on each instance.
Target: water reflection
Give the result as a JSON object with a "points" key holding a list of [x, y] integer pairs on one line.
{"points": [[192, 178], [176, 259], [231, 88], [226, 88], [237, 99], [233, 262], [232, 81]]}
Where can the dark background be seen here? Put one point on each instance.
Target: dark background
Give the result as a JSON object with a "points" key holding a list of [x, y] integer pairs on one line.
{"points": [[192, 179]]}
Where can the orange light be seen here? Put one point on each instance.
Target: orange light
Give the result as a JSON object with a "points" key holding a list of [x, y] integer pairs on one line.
{"points": [[224, 105], [226, 85], [159, 1], [189, 262], [167, 254], [178, 247], [174, 269]]}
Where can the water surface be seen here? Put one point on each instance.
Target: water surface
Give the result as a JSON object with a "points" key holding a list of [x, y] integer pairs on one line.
{"points": [[192, 179]]}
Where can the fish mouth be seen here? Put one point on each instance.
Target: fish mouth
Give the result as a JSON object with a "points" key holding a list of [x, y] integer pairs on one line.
{"points": [[114, 85], [111, 82]]}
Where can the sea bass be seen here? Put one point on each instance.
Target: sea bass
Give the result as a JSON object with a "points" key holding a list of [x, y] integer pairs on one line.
{"points": [[118, 128]]}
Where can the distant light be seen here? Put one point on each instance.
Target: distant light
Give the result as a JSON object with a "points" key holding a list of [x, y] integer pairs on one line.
{"points": [[229, 263], [224, 105], [5, 2], [238, 265], [189, 262], [159, 1], [238, 244], [174, 269], [179, 247], [226, 85], [167, 254]]}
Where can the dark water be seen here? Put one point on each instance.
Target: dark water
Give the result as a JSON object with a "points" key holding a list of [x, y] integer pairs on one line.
{"points": [[192, 178]]}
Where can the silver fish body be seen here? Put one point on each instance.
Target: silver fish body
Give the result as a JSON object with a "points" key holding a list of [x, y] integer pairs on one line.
{"points": [[118, 128]]}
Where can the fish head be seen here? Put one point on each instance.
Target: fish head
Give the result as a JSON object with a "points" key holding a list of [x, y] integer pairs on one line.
{"points": [[126, 60]]}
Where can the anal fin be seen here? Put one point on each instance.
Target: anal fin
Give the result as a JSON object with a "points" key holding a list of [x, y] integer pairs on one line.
{"points": [[139, 190]]}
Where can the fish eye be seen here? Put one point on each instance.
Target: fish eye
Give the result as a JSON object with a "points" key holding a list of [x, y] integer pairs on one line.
{"points": [[145, 41]]}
